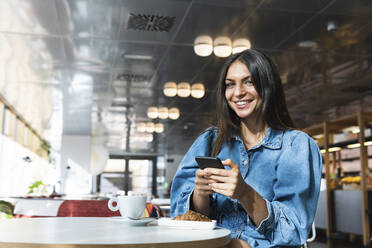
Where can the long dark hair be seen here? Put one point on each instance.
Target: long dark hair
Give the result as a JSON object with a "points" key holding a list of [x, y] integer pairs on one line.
{"points": [[266, 80]]}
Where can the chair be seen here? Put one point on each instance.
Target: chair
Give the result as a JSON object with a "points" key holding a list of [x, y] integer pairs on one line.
{"points": [[98, 208], [313, 235]]}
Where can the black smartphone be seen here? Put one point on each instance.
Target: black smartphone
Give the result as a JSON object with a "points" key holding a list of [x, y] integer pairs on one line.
{"points": [[205, 162]]}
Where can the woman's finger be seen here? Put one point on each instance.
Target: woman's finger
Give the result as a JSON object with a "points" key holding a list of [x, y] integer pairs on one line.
{"points": [[218, 172], [202, 180], [222, 186], [222, 192], [203, 187], [227, 179], [230, 163]]}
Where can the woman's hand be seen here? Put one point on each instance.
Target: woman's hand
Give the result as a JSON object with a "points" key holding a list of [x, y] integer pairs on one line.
{"points": [[227, 182], [202, 183]]}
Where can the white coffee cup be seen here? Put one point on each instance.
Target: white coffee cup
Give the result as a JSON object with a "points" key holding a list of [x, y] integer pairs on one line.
{"points": [[131, 206]]}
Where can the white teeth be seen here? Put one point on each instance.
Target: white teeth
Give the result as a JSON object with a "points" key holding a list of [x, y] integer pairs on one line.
{"points": [[242, 102]]}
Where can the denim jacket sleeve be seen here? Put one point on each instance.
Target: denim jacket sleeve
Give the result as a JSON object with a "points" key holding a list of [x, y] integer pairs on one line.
{"points": [[183, 181], [296, 191]]}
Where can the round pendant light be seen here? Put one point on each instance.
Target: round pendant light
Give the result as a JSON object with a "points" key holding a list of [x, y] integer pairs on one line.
{"points": [[183, 89], [222, 46], [159, 127], [152, 112], [239, 45], [174, 113], [203, 45], [197, 90], [170, 89], [150, 127], [163, 113], [141, 127]]}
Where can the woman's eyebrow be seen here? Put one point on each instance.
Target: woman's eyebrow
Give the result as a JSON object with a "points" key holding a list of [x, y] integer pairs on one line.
{"points": [[249, 77]]}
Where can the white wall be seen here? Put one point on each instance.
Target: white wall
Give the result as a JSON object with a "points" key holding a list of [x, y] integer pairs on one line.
{"points": [[171, 167], [75, 153], [16, 174]]}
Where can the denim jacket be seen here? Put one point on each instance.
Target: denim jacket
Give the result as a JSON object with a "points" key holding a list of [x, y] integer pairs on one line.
{"points": [[284, 168]]}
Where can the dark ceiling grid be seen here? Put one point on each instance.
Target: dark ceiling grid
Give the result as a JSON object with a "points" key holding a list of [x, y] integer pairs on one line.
{"points": [[151, 43], [304, 24], [166, 127], [324, 102], [204, 102]]}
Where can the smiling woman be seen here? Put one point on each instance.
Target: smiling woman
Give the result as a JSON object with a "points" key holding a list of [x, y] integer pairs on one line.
{"points": [[268, 194]]}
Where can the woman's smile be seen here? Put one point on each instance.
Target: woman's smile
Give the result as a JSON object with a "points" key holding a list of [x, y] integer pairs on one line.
{"points": [[240, 92]]}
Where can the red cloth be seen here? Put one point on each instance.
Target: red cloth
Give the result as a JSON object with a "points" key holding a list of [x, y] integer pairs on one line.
{"points": [[85, 208], [92, 208]]}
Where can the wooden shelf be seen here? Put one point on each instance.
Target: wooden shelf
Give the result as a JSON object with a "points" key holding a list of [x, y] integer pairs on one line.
{"points": [[327, 129]]}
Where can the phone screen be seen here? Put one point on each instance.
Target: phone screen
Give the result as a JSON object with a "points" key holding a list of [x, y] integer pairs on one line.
{"points": [[209, 162]]}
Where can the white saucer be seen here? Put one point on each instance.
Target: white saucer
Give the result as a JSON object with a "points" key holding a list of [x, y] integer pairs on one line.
{"points": [[139, 222]]}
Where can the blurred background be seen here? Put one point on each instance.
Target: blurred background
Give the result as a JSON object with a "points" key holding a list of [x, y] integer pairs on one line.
{"points": [[99, 96]]}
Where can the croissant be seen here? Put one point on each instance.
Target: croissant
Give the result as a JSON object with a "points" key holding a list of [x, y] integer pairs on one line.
{"points": [[192, 216]]}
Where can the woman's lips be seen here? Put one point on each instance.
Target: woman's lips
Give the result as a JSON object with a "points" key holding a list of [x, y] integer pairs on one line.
{"points": [[242, 104]]}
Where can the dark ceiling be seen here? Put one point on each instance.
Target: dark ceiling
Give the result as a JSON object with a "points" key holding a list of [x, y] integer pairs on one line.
{"points": [[79, 48]]}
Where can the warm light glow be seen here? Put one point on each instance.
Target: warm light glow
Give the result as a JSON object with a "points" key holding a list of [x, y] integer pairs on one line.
{"points": [[222, 46], [183, 89], [332, 149], [197, 90], [152, 112], [170, 89], [353, 129], [356, 145], [150, 127], [159, 127], [174, 113], [141, 127], [203, 45], [163, 113], [149, 137], [239, 45], [318, 136]]}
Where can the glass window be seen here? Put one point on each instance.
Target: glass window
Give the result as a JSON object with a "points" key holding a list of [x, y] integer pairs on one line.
{"points": [[28, 137], [1, 116], [9, 123], [115, 165], [20, 132], [140, 173]]}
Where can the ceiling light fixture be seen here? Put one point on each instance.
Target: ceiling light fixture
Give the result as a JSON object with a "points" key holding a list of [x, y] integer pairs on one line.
{"points": [[141, 127], [159, 127], [356, 145], [150, 127], [163, 113], [203, 45], [332, 149], [174, 113], [152, 112], [170, 89], [137, 56], [197, 90], [183, 89], [239, 45], [222, 46]]}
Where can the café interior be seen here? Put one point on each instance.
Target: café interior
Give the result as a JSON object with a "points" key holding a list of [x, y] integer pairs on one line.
{"points": [[104, 98]]}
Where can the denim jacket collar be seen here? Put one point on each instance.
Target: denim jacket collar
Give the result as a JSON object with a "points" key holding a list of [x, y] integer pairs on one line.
{"points": [[272, 140]]}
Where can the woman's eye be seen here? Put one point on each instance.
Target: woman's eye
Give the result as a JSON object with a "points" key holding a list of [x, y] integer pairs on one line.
{"points": [[248, 82], [229, 85]]}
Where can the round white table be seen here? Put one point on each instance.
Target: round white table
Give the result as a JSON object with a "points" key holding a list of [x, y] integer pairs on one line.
{"points": [[102, 232]]}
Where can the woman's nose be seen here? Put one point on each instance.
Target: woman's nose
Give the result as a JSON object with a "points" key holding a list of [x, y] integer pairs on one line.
{"points": [[239, 90]]}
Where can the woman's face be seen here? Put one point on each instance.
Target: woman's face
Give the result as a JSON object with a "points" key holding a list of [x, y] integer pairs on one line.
{"points": [[240, 93]]}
